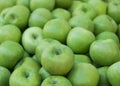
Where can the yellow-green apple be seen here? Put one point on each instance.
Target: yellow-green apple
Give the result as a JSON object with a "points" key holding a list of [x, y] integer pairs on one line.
{"points": [[4, 76], [56, 81], [39, 17], [24, 3], [57, 29], [55, 57], [79, 40], [30, 38]]}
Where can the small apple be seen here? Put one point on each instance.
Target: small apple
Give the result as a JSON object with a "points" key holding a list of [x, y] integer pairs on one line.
{"points": [[104, 52], [10, 32], [4, 76], [82, 21], [30, 38], [57, 29], [48, 4], [56, 57], [79, 40], [83, 74], [24, 3], [39, 17], [104, 23], [12, 53], [56, 81]]}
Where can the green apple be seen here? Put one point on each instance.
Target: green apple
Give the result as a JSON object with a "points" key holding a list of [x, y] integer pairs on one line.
{"points": [[55, 57], [99, 6], [78, 58], [118, 32], [5, 4], [57, 29], [82, 21], [48, 4], [43, 73], [61, 13], [113, 11], [113, 74], [12, 53], [17, 15], [104, 52], [4, 76], [83, 74], [43, 44], [85, 9], [30, 38], [25, 76], [10, 32], [39, 17], [103, 81], [63, 3], [79, 40], [24, 3], [56, 81], [108, 35], [104, 23]]}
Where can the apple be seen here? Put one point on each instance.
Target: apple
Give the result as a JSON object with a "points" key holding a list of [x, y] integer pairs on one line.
{"points": [[4, 76], [113, 11], [24, 3], [56, 81], [55, 57], [104, 23], [39, 17], [82, 21], [10, 32], [83, 74], [79, 40], [31, 38], [99, 6], [17, 15], [103, 81], [113, 74], [48, 4], [104, 52], [118, 32], [85, 9], [61, 13], [43, 44], [12, 53], [57, 29]]}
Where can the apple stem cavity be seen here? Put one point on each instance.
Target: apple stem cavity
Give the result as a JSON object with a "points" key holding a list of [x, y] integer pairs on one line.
{"points": [[26, 75], [84, 9], [58, 52]]}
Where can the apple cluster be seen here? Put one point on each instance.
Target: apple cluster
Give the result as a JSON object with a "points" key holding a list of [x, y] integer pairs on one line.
{"points": [[59, 42]]}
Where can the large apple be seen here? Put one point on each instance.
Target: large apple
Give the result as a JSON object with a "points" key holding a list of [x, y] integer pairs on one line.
{"points": [[12, 53], [56, 57], [56, 81], [79, 40], [57, 29], [39, 17], [104, 23], [4, 76], [83, 74], [104, 52], [30, 38], [10, 32]]}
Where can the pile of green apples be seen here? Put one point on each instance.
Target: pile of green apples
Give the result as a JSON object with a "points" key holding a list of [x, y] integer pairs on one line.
{"points": [[59, 42]]}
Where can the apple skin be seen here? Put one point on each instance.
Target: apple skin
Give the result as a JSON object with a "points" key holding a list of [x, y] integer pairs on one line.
{"points": [[56, 81], [104, 52], [59, 28], [4, 76], [79, 40], [83, 74], [39, 17], [34, 4], [14, 53], [56, 57], [104, 23], [31, 38], [17, 15], [10, 32], [24, 3]]}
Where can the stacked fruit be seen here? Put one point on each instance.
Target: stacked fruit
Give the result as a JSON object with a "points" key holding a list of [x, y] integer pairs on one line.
{"points": [[59, 42]]}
